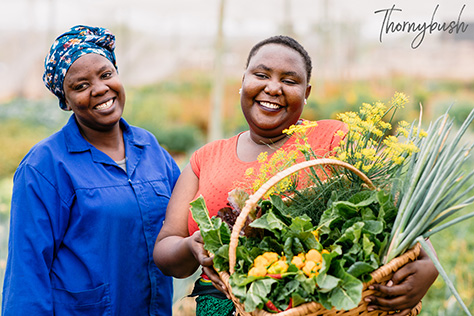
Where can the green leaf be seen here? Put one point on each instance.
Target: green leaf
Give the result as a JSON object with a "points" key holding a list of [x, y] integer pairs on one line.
{"points": [[270, 244], [270, 222], [327, 282], [200, 213], [297, 299], [309, 285], [217, 236], [367, 246], [221, 258], [373, 227], [352, 234], [363, 198], [257, 293], [348, 294], [359, 268], [301, 224]]}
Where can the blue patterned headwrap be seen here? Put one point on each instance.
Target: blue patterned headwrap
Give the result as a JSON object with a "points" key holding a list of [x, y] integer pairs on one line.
{"points": [[68, 47]]}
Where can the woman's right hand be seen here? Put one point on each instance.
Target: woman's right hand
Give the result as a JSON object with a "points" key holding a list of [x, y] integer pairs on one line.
{"points": [[206, 261]]}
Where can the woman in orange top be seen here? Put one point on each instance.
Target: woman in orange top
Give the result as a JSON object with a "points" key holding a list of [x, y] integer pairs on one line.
{"points": [[275, 86]]}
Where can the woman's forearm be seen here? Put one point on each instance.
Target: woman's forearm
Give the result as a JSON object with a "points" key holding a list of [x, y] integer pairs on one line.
{"points": [[173, 256]]}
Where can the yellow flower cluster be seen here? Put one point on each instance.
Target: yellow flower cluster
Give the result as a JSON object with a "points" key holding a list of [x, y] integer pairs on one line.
{"points": [[269, 167], [300, 128], [366, 147], [396, 151]]}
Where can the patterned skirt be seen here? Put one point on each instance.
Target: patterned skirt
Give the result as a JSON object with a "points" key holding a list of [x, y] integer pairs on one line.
{"points": [[211, 301]]}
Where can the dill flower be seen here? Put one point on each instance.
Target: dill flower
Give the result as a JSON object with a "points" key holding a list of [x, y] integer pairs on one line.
{"points": [[399, 100], [300, 128]]}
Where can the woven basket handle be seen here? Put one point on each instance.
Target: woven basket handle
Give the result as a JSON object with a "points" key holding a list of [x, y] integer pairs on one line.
{"points": [[254, 198]]}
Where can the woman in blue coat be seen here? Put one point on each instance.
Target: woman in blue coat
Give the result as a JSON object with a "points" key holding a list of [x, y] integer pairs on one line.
{"points": [[88, 202]]}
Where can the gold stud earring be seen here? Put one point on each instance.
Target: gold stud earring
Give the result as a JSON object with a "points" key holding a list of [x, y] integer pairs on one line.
{"points": [[240, 91]]}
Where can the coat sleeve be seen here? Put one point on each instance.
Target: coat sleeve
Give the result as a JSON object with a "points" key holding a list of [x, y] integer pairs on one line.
{"points": [[38, 220]]}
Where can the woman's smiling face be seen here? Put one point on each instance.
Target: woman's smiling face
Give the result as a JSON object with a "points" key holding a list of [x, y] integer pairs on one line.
{"points": [[94, 93], [274, 88]]}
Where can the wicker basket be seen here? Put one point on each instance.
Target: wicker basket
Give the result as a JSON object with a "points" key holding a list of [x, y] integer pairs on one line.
{"points": [[381, 275]]}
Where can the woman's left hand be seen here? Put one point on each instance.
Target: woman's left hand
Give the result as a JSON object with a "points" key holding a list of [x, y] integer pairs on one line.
{"points": [[406, 288]]}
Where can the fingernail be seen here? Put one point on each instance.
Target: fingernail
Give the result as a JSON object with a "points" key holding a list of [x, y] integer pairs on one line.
{"points": [[390, 283], [370, 309], [371, 287], [367, 299]]}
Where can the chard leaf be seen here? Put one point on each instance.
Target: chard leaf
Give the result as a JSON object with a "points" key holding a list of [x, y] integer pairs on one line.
{"points": [[373, 227], [286, 290], [280, 209], [257, 294], [270, 244], [367, 214], [309, 285], [363, 198], [352, 234], [348, 293], [345, 209], [287, 248], [293, 246], [221, 258], [297, 299], [310, 241], [327, 282], [367, 246], [359, 268], [217, 236], [301, 224], [200, 213], [214, 232], [245, 259], [270, 222], [238, 285]]}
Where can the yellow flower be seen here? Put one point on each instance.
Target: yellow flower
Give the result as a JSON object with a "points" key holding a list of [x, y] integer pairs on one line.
{"points": [[262, 157], [249, 172], [399, 100], [300, 128]]}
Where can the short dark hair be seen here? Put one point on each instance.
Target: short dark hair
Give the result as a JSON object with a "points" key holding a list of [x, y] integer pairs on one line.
{"points": [[288, 42]]}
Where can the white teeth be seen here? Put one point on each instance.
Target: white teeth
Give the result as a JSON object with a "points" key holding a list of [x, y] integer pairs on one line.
{"points": [[105, 105], [270, 105]]}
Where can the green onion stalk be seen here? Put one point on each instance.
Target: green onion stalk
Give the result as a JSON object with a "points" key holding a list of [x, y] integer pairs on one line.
{"points": [[432, 187]]}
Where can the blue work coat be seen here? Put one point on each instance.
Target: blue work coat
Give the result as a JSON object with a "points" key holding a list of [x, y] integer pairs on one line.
{"points": [[82, 230]]}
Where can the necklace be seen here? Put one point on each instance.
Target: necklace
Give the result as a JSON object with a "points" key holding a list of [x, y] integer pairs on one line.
{"points": [[272, 145]]}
